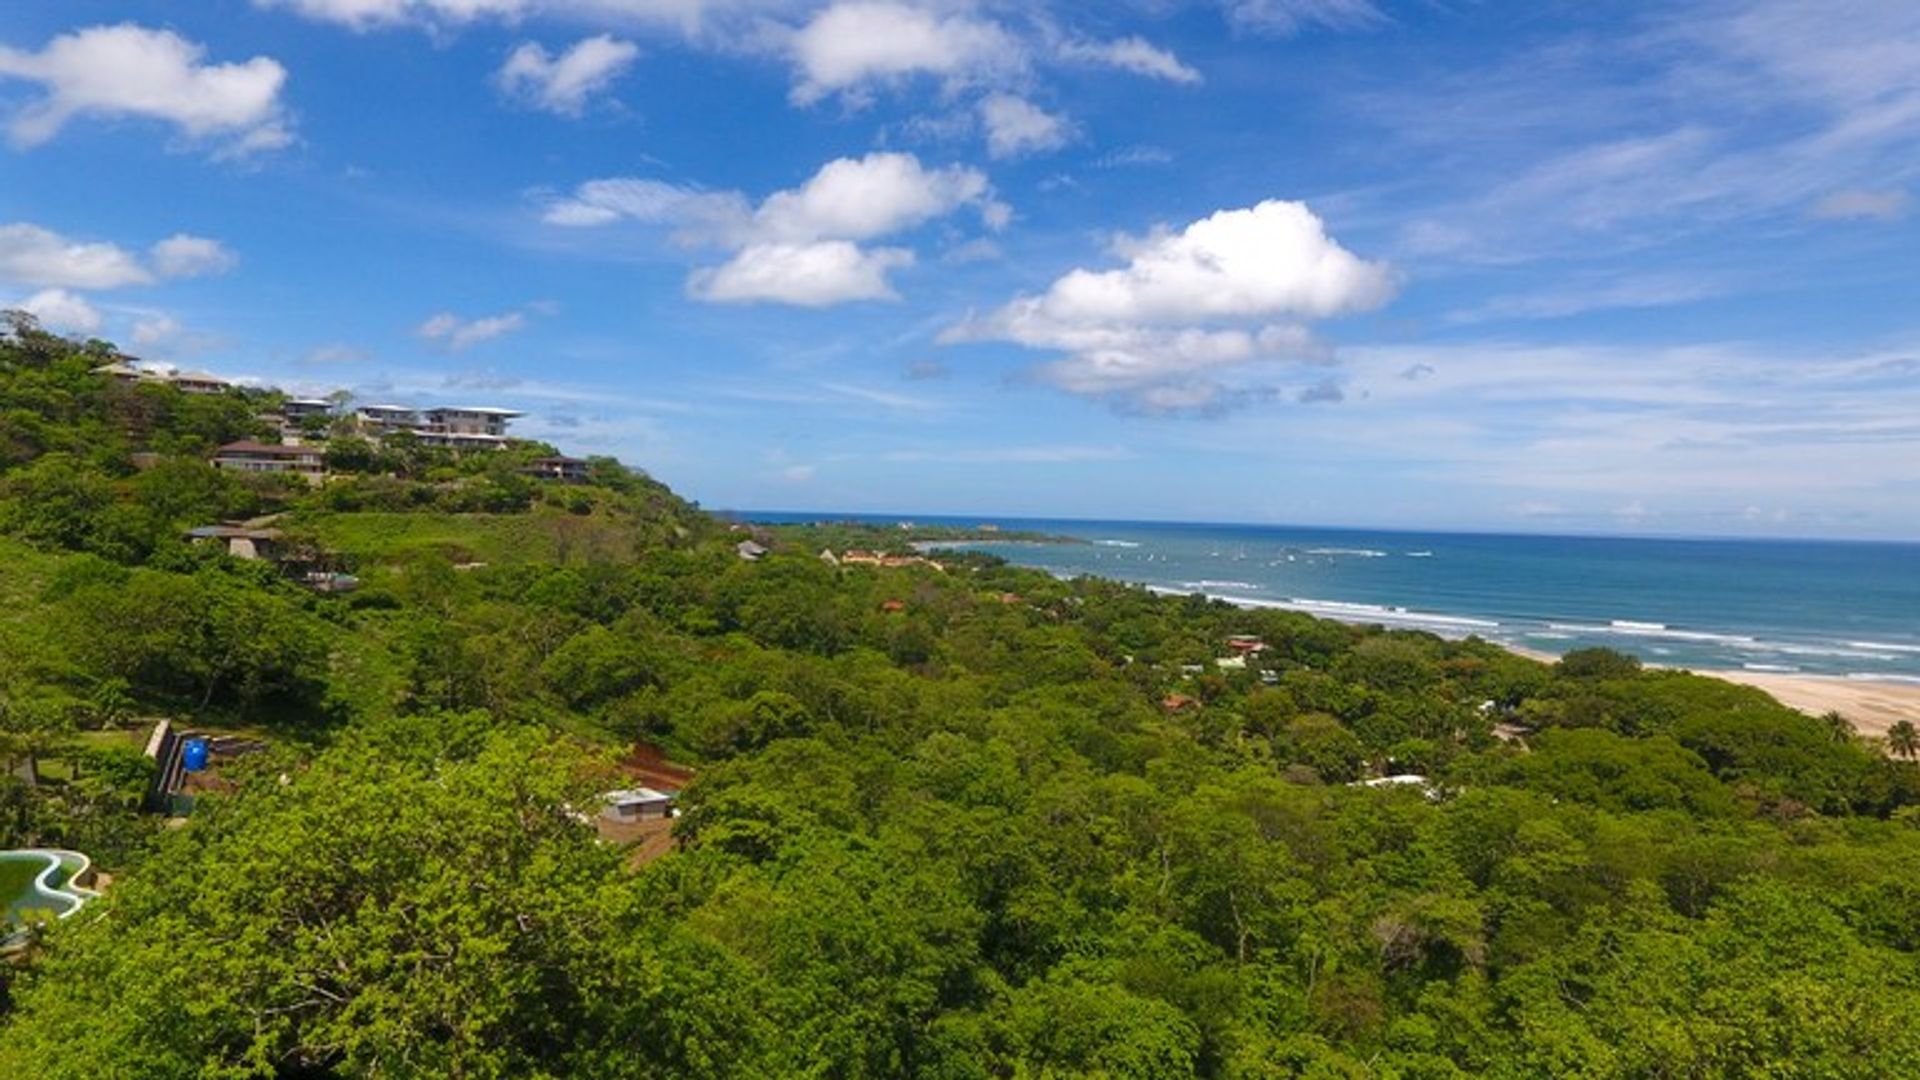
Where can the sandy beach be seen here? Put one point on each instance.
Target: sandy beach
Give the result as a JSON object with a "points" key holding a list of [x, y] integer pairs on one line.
{"points": [[1872, 706]]}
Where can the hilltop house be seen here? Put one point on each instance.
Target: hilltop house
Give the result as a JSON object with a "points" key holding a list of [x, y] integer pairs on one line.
{"points": [[298, 409], [468, 427], [564, 469], [126, 371], [308, 462], [241, 542], [637, 804], [378, 420], [198, 382]]}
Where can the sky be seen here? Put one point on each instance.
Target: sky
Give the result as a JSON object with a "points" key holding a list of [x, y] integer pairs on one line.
{"points": [[1504, 266]]}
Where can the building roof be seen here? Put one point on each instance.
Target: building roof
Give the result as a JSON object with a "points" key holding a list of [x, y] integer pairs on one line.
{"points": [[232, 532], [246, 446], [388, 408], [481, 410], [633, 795], [323, 402], [198, 376]]}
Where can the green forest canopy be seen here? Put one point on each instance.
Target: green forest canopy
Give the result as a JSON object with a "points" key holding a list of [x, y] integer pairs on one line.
{"points": [[944, 823]]}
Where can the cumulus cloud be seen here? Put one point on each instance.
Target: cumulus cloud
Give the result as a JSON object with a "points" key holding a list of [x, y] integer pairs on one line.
{"points": [[1861, 205], [457, 334], [35, 256], [1160, 332], [564, 84], [131, 71], [818, 274], [182, 255], [1016, 126], [861, 198], [1134, 54], [31, 255], [62, 311], [801, 245], [850, 46]]}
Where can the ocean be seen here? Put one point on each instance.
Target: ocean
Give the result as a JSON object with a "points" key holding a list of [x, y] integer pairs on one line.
{"points": [[1787, 606]]}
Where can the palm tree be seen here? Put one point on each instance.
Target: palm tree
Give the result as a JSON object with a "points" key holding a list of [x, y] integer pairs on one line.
{"points": [[1840, 727], [1903, 739]]}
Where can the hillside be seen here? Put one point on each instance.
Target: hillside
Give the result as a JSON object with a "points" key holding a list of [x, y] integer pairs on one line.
{"points": [[962, 820]]}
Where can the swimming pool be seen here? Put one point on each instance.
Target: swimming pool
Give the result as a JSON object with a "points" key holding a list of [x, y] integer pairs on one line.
{"points": [[38, 884]]}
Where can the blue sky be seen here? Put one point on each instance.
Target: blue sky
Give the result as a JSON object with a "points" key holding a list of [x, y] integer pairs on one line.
{"points": [[1510, 266]]}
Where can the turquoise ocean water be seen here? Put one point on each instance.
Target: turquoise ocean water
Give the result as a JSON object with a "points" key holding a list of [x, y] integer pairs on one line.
{"points": [[1815, 607]]}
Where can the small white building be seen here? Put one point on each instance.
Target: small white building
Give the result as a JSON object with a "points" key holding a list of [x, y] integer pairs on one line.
{"points": [[637, 804]]}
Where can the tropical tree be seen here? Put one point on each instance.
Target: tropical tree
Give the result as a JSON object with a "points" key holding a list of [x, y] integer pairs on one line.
{"points": [[1904, 739]]}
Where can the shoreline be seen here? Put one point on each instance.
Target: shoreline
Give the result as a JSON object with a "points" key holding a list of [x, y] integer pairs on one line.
{"points": [[1871, 705]]}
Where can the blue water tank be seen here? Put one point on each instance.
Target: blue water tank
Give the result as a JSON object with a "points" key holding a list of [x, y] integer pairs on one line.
{"points": [[194, 757]]}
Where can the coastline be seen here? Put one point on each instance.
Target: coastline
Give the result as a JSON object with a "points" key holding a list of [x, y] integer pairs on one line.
{"points": [[1870, 702], [1871, 705]]}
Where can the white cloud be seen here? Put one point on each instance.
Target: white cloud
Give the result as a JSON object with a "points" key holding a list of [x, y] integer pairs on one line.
{"points": [[817, 274], [652, 202], [1159, 333], [31, 255], [1016, 126], [338, 352], [131, 71], [1266, 260], [371, 14], [182, 255], [459, 334], [564, 84], [1283, 17], [156, 330], [1650, 290], [1697, 119], [861, 198], [801, 245], [62, 311], [1134, 54], [1857, 204], [850, 45]]}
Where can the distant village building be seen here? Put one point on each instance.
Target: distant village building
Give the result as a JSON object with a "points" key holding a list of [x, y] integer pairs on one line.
{"points": [[308, 462], [378, 420], [240, 542], [298, 409], [637, 804], [469, 427], [126, 371], [567, 470], [199, 382], [855, 557]]}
